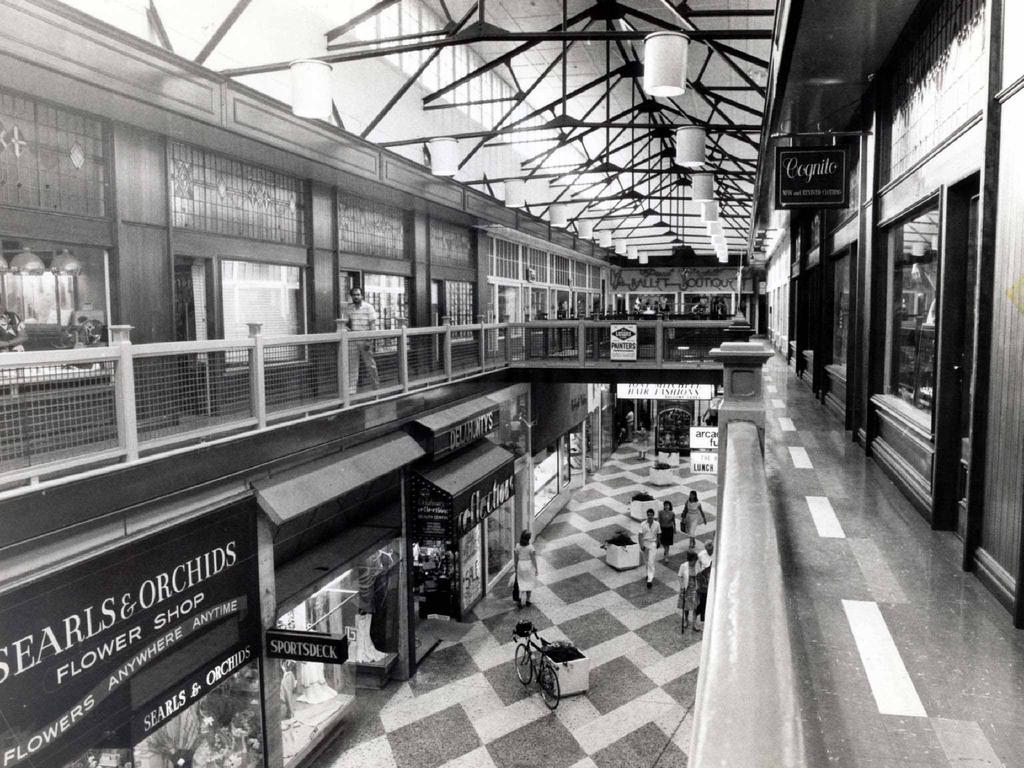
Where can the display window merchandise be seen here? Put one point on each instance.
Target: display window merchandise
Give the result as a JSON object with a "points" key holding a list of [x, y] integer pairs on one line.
{"points": [[362, 606], [52, 296]]}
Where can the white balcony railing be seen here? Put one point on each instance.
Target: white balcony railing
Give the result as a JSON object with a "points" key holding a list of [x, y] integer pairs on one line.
{"points": [[64, 410]]}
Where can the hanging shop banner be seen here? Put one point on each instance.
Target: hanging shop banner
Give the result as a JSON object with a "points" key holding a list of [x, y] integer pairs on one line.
{"points": [[77, 647], [623, 342], [702, 463], [812, 177], [704, 438], [307, 646], [665, 391]]}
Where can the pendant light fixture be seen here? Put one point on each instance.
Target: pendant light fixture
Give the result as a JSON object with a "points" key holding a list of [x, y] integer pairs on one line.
{"points": [[718, 240], [312, 96], [444, 156], [515, 193], [665, 63], [27, 263], [632, 253], [620, 247], [558, 216], [709, 211], [691, 146], [65, 263], [585, 229], [604, 238], [703, 187], [714, 228], [643, 257]]}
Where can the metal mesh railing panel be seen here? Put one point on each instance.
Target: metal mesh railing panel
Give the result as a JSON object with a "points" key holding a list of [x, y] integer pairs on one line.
{"points": [[188, 392], [552, 343], [680, 345], [54, 412], [372, 365], [297, 375], [425, 357], [495, 346], [466, 351]]}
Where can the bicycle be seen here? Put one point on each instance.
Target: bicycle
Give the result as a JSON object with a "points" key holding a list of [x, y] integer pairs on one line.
{"points": [[531, 661]]}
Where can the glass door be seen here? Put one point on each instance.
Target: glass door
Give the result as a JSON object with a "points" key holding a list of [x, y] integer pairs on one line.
{"points": [[966, 367]]}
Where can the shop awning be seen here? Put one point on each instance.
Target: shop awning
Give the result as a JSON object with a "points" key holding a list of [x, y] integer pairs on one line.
{"points": [[459, 473], [296, 491], [475, 482], [450, 428]]}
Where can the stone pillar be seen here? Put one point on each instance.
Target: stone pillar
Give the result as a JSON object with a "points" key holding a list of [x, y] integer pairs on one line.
{"points": [[268, 619], [742, 362]]}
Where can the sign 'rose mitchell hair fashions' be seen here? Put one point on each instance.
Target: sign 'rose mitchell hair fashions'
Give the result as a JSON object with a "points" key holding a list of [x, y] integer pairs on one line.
{"points": [[812, 177], [87, 655]]}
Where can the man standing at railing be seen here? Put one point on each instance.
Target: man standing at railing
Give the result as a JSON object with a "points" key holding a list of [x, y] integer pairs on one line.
{"points": [[361, 317]]}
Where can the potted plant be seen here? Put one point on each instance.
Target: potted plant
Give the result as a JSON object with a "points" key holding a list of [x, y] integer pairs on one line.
{"points": [[638, 505], [662, 474], [621, 551]]}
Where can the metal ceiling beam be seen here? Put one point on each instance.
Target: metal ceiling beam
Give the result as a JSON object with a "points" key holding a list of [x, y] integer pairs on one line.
{"points": [[358, 19], [222, 30], [395, 97], [153, 15]]}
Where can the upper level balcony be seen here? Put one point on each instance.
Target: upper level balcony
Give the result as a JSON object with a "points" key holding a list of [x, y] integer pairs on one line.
{"points": [[63, 411]]}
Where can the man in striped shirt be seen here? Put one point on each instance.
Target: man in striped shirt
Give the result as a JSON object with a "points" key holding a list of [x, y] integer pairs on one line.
{"points": [[361, 317]]}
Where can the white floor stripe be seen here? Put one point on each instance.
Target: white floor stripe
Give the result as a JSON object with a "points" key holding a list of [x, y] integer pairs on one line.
{"points": [[778, 403], [824, 517], [800, 458], [786, 425], [890, 682]]}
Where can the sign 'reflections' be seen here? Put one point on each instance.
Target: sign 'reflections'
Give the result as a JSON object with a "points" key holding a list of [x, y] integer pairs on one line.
{"points": [[623, 342], [812, 177], [704, 438], [666, 391], [703, 463], [307, 646], [76, 647], [479, 501]]}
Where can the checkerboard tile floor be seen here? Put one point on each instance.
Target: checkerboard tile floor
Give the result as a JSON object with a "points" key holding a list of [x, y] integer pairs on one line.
{"points": [[466, 709]]}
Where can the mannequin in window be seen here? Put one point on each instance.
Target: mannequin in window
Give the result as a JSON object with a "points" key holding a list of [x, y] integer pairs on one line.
{"points": [[373, 566], [310, 674]]}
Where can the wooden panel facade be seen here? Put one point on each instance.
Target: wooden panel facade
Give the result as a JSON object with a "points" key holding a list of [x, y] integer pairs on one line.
{"points": [[1004, 477]]}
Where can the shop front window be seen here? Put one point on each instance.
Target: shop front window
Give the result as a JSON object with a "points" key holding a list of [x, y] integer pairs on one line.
{"points": [[506, 300], [914, 260], [363, 605], [545, 477], [458, 302], [56, 296], [712, 306], [512, 426], [389, 295], [841, 312], [223, 729], [471, 561], [270, 294], [500, 532]]}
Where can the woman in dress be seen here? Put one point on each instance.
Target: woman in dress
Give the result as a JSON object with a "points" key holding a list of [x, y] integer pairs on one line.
{"points": [[688, 588], [526, 566], [693, 512]]}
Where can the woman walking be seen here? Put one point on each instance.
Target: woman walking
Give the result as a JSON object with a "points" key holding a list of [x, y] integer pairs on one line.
{"points": [[688, 588], [526, 566], [693, 512]]}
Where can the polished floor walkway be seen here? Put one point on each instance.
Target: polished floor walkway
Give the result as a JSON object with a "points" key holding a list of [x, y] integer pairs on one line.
{"points": [[905, 660], [465, 706]]}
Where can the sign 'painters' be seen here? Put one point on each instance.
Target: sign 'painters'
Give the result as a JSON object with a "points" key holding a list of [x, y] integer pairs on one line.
{"points": [[623, 342]]}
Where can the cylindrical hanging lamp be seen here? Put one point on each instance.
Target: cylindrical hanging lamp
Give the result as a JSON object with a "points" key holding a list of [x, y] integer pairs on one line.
{"points": [[714, 228], [643, 257], [585, 229], [620, 247], [444, 156], [27, 263], [558, 215], [515, 193], [604, 238], [718, 239], [665, 63], [632, 253], [703, 187], [709, 211], [312, 95], [691, 141]]}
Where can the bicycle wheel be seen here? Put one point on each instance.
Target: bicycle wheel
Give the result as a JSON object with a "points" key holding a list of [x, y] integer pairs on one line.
{"points": [[524, 666], [549, 688]]}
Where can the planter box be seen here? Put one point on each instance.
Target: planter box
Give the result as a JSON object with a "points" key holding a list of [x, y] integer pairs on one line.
{"points": [[622, 558], [637, 510], [573, 676], [662, 476]]}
